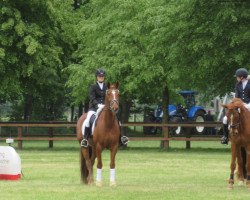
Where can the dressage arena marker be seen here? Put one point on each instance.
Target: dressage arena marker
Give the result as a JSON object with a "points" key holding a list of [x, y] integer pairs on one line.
{"points": [[10, 164]]}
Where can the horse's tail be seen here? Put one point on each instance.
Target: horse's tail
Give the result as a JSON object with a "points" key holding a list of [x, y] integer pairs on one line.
{"points": [[83, 168]]}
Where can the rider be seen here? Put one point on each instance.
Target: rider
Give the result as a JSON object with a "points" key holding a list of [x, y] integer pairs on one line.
{"points": [[97, 100], [242, 91]]}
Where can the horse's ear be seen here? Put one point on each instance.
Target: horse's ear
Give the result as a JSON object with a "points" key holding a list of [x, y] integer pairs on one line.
{"points": [[116, 84], [108, 85]]}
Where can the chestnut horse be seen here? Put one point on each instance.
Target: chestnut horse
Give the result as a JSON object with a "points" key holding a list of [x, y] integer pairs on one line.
{"points": [[239, 134], [106, 135]]}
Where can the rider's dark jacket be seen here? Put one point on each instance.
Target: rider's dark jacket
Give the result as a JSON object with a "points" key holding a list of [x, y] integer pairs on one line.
{"points": [[243, 94], [97, 96]]}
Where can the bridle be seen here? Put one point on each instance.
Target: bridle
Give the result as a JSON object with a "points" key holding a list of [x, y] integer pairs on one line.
{"points": [[114, 101], [236, 125]]}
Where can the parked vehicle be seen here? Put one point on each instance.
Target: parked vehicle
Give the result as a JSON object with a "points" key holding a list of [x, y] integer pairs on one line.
{"points": [[179, 113]]}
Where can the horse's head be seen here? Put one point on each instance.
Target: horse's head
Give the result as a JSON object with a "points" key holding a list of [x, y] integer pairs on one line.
{"points": [[233, 114], [112, 96]]}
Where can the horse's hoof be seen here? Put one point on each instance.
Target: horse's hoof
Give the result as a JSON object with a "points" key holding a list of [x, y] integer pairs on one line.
{"points": [[112, 184], [248, 185], [240, 183], [98, 183], [230, 187], [90, 183]]}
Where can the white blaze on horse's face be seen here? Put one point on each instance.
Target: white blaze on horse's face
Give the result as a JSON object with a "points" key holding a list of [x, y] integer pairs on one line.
{"points": [[233, 116], [231, 119], [113, 92]]}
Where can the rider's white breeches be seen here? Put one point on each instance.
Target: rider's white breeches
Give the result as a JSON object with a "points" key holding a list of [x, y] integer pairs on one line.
{"points": [[224, 121], [86, 121], [247, 106]]}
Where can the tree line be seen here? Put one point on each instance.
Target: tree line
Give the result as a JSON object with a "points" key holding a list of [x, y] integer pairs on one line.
{"points": [[49, 50]]}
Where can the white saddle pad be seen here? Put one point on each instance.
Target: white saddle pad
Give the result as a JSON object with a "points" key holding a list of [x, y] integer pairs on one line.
{"points": [[97, 115]]}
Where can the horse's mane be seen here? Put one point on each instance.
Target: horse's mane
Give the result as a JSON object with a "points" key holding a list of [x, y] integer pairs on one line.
{"points": [[237, 101]]}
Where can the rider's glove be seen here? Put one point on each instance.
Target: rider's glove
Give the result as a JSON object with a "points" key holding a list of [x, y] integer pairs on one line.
{"points": [[100, 105], [247, 105]]}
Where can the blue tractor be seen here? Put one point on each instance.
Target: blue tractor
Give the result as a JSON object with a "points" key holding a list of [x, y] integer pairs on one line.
{"points": [[179, 113]]}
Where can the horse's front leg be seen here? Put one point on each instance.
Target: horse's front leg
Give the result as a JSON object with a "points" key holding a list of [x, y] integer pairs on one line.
{"points": [[248, 166], [99, 165], [233, 164], [240, 167], [113, 152]]}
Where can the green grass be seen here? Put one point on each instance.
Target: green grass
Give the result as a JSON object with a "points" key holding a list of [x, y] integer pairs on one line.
{"points": [[143, 170]]}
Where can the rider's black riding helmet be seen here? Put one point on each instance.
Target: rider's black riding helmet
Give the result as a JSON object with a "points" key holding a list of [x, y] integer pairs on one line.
{"points": [[100, 72], [241, 72]]}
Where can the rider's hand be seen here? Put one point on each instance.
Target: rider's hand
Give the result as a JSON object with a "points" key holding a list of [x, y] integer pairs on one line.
{"points": [[100, 105]]}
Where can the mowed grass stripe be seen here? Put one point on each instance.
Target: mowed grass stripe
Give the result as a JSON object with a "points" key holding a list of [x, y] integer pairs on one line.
{"points": [[143, 171]]}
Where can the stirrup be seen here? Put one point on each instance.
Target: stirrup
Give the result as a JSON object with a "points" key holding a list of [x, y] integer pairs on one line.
{"points": [[224, 140], [124, 140], [84, 143]]}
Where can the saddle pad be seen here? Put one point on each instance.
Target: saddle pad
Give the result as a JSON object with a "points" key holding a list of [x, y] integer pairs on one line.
{"points": [[94, 117]]}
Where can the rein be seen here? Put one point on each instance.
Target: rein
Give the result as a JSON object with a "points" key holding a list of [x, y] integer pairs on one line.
{"points": [[110, 106], [111, 103]]}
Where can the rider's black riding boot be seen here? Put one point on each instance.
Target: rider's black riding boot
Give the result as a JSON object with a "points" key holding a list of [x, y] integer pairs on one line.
{"points": [[224, 139], [123, 139], [84, 142]]}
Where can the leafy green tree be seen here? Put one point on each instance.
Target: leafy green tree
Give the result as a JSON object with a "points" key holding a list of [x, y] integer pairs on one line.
{"points": [[154, 48], [212, 40], [128, 39], [37, 39]]}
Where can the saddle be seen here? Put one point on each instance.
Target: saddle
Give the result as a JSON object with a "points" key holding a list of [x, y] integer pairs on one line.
{"points": [[94, 117]]}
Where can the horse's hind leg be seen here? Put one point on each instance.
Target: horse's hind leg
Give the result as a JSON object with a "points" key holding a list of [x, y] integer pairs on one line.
{"points": [[93, 156], [233, 164], [248, 166], [86, 154], [113, 152]]}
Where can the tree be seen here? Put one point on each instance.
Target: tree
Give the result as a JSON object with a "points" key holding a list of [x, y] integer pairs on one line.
{"points": [[211, 42], [37, 39]]}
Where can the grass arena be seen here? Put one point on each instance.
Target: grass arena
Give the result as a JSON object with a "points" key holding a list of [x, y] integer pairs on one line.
{"points": [[144, 171]]}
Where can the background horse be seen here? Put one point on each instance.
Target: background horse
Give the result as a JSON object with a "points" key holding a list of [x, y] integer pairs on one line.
{"points": [[106, 135], [239, 135]]}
